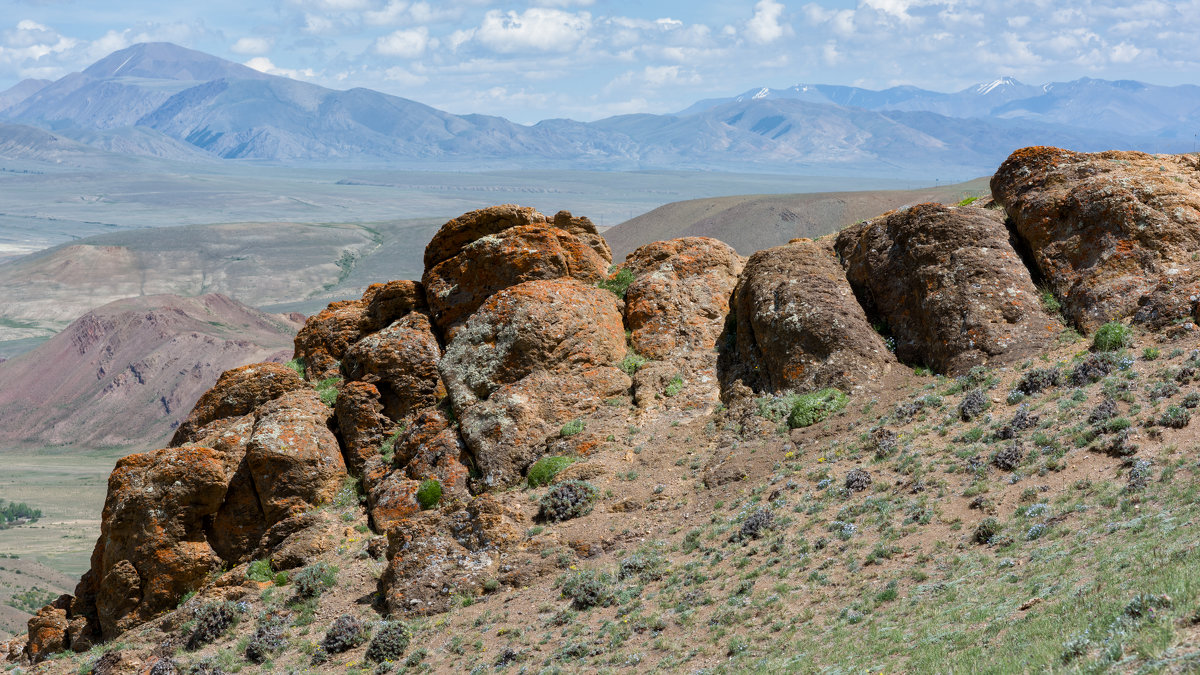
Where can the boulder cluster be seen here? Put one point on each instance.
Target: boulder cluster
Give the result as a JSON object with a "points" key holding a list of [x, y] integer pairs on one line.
{"points": [[521, 330]]}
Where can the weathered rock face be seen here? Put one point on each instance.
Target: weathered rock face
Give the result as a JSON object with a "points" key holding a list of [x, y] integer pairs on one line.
{"points": [[533, 357], [798, 325], [387, 302], [1113, 233], [486, 251], [949, 286], [48, 630], [362, 425], [401, 361], [238, 392], [679, 298]]}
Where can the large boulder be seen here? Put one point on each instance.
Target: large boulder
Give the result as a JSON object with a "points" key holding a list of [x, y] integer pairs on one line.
{"points": [[1113, 233], [401, 361], [362, 425], [679, 298], [948, 285], [797, 326], [294, 457], [533, 357], [236, 393], [486, 251]]}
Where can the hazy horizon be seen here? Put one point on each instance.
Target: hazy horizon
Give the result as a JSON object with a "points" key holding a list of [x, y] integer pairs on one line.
{"points": [[589, 59]]}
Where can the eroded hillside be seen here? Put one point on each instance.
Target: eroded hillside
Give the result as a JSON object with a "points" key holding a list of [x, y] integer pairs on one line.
{"points": [[947, 438]]}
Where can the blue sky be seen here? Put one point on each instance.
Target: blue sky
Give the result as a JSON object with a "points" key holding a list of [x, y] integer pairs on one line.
{"points": [[587, 59]]}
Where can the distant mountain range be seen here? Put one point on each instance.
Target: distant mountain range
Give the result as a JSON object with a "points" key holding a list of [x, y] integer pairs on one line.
{"points": [[162, 100]]}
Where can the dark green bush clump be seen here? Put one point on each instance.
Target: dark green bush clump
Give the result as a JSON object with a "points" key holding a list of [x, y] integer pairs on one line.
{"points": [[260, 570], [267, 639], [759, 522], [646, 564], [390, 642], [545, 469], [858, 480], [164, 667], [972, 405], [327, 390], [567, 500], [572, 428], [313, 580], [808, 409], [885, 442], [1021, 420], [1106, 410], [1009, 457], [618, 283], [1038, 380], [212, 620], [1092, 369], [589, 588], [429, 495], [1175, 417], [985, 531], [632, 362], [346, 633], [1111, 337]]}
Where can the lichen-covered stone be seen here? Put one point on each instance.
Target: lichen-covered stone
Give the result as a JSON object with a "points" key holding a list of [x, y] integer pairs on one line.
{"points": [[236, 393], [797, 325], [948, 285], [327, 335], [401, 361], [1113, 233]]}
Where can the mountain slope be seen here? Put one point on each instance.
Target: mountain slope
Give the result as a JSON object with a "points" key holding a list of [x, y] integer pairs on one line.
{"points": [[128, 372], [21, 91]]}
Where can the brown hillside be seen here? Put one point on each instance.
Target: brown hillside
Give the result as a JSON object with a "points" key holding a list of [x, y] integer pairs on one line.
{"points": [[751, 223], [128, 372]]}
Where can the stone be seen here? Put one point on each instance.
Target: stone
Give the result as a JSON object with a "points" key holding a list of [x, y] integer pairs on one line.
{"points": [[532, 358], [401, 361], [236, 393], [48, 631], [362, 425], [948, 285], [327, 335], [1113, 233], [679, 298], [385, 303], [796, 325]]}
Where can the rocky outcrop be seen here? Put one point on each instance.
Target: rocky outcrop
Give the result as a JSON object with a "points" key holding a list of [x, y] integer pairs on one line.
{"points": [[1112, 233], [401, 361], [948, 285], [486, 251], [238, 392], [795, 324], [533, 357], [679, 298]]}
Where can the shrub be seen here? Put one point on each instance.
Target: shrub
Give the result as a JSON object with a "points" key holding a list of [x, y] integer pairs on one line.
{"points": [[1049, 302], [1151, 353], [545, 469], [632, 362], [1120, 445], [618, 283], [572, 428], [267, 639], [296, 364], [674, 386], [212, 620], [1038, 380], [1092, 369], [1021, 420], [429, 494], [1192, 400], [1111, 337], [885, 442], [346, 633], [754, 526], [1009, 457], [1139, 474], [589, 588], [390, 642], [313, 580], [808, 409], [1106, 410], [858, 480], [327, 390], [1175, 417], [646, 564], [972, 405], [570, 499], [260, 570], [985, 531]]}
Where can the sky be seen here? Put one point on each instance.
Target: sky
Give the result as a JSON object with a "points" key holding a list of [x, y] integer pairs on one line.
{"points": [[588, 59]]}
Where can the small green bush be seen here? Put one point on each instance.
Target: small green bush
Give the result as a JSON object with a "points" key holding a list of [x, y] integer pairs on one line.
{"points": [[674, 386], [1151, 353], [589, 588], [808, 409], [545, 469], [429, 494], [986, 530], [268, 638], [296, 364], [346, 633], [1110, 337], [313, 580], [967, 201], [618, 283], [1175, 417], [1049, 302], [327, 390], [570, 499], [390, 642], [632, 362], [572, 428], [212, 620], [260, 570]]}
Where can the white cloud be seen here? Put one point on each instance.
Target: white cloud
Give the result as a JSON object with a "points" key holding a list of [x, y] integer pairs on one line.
{"points": [[388, 16], [535, 29], [765, 26], [263, 65], [404, 77], [252, 45], [407, 44], [1124, 53]]}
